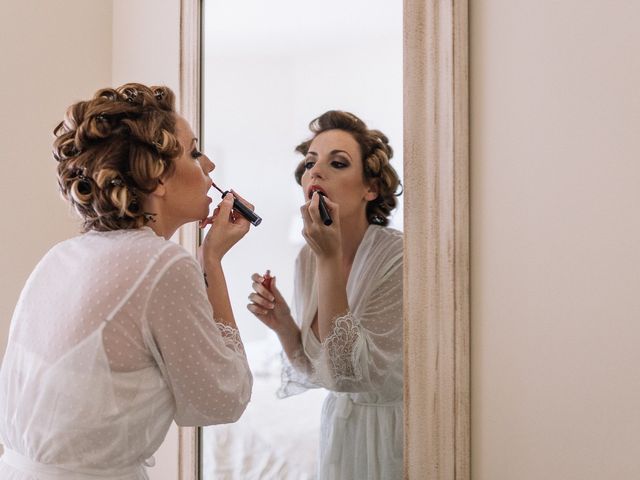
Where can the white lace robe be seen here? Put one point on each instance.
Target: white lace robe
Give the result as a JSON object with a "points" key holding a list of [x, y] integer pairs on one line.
{"points": [[360, 362], [112, 338]]}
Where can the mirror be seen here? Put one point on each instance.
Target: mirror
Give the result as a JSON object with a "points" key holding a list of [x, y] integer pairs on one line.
{"points": [[268, 69]]}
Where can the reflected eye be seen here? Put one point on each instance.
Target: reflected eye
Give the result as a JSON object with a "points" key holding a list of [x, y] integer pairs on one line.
{"points": [[195, 154], [338, 164], [309, 165]]}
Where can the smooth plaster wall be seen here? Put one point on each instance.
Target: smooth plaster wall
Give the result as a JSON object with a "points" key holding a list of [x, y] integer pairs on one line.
{"points": [[52, 53], [555, 170]]}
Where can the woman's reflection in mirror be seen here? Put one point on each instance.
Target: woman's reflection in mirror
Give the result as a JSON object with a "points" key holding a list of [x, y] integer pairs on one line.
{"points": [[345, 333]]}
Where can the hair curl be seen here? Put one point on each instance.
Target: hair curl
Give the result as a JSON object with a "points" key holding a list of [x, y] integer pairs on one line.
{"points": [[376, 154], [113, 150]]}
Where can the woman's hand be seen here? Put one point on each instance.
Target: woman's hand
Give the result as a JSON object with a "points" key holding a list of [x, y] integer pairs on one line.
{"points": [[270, 307], [227, 228], [324, 240]]}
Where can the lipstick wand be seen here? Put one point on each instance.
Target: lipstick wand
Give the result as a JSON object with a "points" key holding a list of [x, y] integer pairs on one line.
{"points": [[241, 208], [324, 211]]}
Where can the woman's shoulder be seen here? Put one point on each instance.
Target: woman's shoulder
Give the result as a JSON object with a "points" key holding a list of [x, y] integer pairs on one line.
{"points": [[387, 238], [126, 248]]}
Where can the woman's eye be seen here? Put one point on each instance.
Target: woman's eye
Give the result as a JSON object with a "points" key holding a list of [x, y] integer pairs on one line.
{"points": [[196, 154], [309, 165], [338, 164]]}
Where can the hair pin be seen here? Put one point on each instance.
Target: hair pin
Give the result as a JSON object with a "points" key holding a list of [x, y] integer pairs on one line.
{"points": [[130, 94], [149, 217]]}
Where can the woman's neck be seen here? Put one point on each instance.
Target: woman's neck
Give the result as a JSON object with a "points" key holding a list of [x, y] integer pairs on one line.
{"points": [[353, 230], [162, 228]]}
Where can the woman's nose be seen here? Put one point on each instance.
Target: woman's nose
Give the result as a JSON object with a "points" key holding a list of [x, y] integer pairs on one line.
{"points": [[207, 165], [316, 171]]}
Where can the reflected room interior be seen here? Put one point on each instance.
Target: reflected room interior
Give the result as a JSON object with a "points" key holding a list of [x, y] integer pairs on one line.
{"points": [[268, 69]]}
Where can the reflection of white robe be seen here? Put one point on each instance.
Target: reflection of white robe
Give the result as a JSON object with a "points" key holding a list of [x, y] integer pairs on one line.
{"points": [[360, 362], [113, 338]]}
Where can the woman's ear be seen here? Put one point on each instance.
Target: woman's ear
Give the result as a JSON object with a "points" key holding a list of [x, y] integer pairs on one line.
{"points": [[160, 191], [372, 191]]}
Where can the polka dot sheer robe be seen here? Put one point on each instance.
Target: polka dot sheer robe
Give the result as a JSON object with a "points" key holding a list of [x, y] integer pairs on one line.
{"points": [[113, 337]]}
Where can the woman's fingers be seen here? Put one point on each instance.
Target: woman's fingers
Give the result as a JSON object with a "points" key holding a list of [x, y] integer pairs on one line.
{"points": [[261, 301], [304, 211], [256, 310], [225, 207], [260, 289], [314, 208], [243, 200], [256, 277]]}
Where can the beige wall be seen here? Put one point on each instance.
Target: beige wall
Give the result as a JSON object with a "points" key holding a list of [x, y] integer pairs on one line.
{"points": [[555, 177], [52, 53], [55, 52]]}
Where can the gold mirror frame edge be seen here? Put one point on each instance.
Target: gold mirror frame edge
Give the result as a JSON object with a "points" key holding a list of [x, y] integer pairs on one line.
{"points": [[437, 394]]}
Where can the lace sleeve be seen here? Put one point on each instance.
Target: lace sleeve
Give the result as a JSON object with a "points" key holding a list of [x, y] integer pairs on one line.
{"points": [[340, 351], [338, 363], [297, 374], [231, 337]]}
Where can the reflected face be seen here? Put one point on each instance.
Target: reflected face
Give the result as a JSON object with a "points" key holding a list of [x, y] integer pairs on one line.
{"points": [[333, 165], [186, 189]]}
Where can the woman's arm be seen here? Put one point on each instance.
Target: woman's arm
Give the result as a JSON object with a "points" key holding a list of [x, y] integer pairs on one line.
{"points": [[224, 233], [326, 243], [270, 307]]}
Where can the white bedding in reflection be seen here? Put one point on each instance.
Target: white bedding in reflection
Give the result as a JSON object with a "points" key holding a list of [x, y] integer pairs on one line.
{"points": [[275, 438]]}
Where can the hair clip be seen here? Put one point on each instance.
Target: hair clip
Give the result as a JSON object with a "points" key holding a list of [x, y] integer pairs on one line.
{"points": [[130, 94], [149, 217], [109, 95], [159, 93], [134, 206], [116, 182], [84, 182], [101, 117]]}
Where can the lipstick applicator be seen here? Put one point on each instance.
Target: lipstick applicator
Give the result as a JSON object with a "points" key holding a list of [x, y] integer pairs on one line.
{"points": [[241, 208], [324, 211]]}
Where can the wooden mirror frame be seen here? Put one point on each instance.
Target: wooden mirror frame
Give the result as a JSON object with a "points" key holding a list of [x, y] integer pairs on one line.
{"points": [[437, 441]]}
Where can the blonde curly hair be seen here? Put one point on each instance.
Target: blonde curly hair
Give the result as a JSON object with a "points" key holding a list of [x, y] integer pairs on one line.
{"points": [[114, 150], [376, 154]]}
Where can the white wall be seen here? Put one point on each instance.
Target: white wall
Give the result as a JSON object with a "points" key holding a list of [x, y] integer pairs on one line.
{"points": [[555, 177], [53, 53]]}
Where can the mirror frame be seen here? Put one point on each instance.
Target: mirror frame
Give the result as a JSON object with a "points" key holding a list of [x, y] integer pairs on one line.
{"points": [[437, 387]]}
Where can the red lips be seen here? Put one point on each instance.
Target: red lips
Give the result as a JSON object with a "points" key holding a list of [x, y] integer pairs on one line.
{"points": [[314, 188]]}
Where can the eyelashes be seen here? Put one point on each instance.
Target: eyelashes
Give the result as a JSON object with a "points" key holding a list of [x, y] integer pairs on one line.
{"points": [[334, 163], [195, 154]]}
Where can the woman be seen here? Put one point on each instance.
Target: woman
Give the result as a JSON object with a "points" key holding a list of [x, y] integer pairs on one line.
{"points": [[114, 334], [347, 332]]}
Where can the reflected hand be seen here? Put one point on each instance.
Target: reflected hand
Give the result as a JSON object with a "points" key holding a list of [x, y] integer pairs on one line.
{"points": [[324, 240], [270, 307]]}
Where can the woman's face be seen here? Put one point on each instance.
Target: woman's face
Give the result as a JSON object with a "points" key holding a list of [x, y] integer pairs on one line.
{"points": [[186, 197], [333, 165]]}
